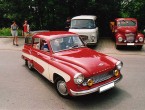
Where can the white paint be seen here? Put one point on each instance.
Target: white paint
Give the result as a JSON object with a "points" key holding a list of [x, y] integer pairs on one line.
{"points": [[49, 70]]}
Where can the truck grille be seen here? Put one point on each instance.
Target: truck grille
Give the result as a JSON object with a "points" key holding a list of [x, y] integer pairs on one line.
{"points": [[130, 37], [100, 78]]}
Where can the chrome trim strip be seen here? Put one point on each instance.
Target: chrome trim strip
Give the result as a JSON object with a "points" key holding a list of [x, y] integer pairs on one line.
{"points": [[75, 93]]}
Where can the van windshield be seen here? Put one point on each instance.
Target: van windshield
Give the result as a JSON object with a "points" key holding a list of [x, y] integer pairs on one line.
{"points": [[82, 24]]}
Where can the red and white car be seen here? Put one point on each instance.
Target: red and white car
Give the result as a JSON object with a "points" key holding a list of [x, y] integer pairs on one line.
{"points": [[74, 69]]}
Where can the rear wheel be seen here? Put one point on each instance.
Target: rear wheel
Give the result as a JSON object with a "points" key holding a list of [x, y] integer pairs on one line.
{"points": [[26, 62], [60, 86], [30, 65]]}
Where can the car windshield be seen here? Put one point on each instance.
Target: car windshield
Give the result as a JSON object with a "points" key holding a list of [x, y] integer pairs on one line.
{"points": [[66, 43], [82, 24], [126, 23]]}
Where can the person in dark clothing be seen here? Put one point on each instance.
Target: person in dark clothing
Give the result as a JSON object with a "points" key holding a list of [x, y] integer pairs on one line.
{"points": [[67, 23]]}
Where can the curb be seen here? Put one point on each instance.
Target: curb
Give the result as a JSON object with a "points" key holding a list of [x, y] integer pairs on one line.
{"points": [[10, 37]]}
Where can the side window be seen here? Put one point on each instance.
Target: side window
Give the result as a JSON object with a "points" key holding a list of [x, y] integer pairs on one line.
{"points": [[44, 45], [96, 23], [36, 43]]}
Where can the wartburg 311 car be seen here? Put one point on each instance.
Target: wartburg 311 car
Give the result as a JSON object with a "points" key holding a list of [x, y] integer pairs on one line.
{"points": [[86, 26], [126, 33], [74, 69]]}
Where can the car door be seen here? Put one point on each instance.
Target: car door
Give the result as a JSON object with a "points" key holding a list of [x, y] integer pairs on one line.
{"points": [[35, 51], [41, 57]]}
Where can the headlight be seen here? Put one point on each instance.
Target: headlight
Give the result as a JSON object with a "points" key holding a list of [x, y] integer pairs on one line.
{"points": [[92, 38], [120, 39], [141, 39], [78, 78], [119, 65]]}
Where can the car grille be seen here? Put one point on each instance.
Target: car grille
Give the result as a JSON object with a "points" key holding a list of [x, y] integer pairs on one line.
{"points": [[130, 37], [100, 78]]}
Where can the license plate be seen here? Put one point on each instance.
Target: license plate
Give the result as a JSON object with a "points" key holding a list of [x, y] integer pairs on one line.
{"points": [[106, 87], [130, 43]]}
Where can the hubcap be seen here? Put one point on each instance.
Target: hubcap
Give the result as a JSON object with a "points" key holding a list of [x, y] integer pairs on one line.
{"points": [[29, 65], [61, 86]]}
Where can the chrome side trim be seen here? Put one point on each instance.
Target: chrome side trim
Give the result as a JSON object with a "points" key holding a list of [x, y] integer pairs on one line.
{"points": [[85, 92]]}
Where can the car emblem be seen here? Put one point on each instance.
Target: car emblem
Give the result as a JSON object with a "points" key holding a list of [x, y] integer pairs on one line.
{"points": [[101, 64]]}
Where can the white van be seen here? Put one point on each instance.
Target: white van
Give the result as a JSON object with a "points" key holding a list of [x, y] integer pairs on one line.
{"points": [[86, 27]]}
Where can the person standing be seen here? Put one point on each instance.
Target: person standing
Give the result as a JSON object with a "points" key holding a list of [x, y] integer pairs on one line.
{"points": [[67, 23], [14, 32], [26, 29]]}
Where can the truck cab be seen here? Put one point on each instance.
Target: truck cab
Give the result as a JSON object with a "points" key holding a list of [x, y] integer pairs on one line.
{"points": [[125, 32], [86, 27]]}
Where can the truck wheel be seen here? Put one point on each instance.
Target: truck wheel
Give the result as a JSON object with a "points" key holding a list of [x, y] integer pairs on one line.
{"points": [[118, 47], [139, 47], [30, 65], [60, 86]]}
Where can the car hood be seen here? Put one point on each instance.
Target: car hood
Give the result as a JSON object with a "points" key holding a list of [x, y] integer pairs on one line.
{"points": [[86, 59], [127, 29]]}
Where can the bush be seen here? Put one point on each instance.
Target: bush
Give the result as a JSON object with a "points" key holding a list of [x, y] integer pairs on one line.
{"points": [[7, 32]]}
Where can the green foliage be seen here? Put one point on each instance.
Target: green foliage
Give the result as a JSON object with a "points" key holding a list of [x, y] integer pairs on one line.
{"points": [[51, 14], [7, 32]]}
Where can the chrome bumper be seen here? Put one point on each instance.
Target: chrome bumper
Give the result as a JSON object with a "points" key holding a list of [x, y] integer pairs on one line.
{"points": [[85, 92]]}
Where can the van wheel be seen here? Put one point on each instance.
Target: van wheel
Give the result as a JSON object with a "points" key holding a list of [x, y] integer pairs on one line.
{"points": [[60, 86], [30, 65]]}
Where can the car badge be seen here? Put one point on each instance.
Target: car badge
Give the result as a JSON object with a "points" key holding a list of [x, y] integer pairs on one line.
{"points": [[101, 64]]}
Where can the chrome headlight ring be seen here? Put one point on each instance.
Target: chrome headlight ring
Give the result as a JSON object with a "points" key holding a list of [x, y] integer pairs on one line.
{"points": [[78, 78], [120, 39], [119, 65], [140, 39]]}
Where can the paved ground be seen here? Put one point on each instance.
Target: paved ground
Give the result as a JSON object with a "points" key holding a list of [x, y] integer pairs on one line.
{"points": [[7, 44], [22, 89]]}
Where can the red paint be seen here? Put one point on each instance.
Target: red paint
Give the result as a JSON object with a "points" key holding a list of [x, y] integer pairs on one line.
{"points": [[122, 30], [72, 61]]}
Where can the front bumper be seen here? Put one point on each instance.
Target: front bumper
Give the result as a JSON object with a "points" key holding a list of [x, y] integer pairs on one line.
{"points": [[130, 44], [85, 92]]}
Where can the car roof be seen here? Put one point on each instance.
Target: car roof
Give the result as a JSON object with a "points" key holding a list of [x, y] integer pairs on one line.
{"points": [[85, 17], [125, 19], [52, 34]]}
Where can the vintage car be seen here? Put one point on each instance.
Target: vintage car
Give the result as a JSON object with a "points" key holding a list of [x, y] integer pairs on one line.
{"points": [[87, 27], [125, 33], [75, 69]]}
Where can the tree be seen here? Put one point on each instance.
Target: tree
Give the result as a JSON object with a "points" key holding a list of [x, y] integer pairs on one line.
{"points": [[51, 14]]}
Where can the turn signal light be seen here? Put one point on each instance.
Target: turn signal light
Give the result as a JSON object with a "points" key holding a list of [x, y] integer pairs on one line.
{"points": [[90, 82], [116, 73]]}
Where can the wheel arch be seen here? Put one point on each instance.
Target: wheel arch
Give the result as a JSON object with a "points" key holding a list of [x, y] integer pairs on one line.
{"points": [[55, 76]]}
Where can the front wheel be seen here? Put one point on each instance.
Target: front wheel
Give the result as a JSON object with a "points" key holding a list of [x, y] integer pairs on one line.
{"points": [[60, 86], [118, 47], [139, 47]]}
